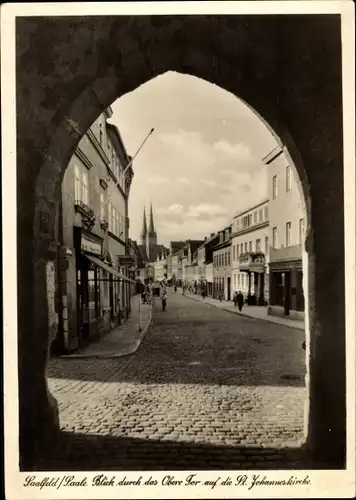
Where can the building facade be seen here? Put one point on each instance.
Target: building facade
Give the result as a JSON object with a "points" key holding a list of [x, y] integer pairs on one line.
{"points": [[287, 218], [222, 264], [250, 254], [161, 264], [209, 245], [172, 261], [93, 270], [190, 260]]}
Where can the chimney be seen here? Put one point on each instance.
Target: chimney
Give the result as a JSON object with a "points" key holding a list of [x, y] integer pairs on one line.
{"points": [[212, 234]]}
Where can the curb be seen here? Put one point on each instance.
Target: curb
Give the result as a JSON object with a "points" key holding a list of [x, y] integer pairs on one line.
{"points": [[236, 313], [111, 355]]}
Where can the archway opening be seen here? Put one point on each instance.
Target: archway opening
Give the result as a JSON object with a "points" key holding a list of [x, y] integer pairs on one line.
{"points": [[209, 171], [59, 116]]}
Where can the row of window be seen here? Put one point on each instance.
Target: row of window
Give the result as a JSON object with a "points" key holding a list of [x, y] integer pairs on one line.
{"points": [[256, 217], [222, 259], [108, 211], [288, 183], [81, 184], [241, 281], [116, 221], [110, 152], [288, 234], [248, 246]]}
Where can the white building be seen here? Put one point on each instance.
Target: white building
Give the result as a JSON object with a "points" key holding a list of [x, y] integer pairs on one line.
{"points": [[287, 218], [250, 253]]}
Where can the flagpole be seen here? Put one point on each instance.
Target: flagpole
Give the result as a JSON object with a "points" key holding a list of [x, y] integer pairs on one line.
{"points": [[139, 149]]}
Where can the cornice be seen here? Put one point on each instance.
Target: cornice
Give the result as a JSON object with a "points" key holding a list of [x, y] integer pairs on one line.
{"points": [[83, 158], [250, 229]]}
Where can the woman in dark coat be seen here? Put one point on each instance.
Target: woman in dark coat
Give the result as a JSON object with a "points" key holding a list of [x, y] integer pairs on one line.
{"points": [[240, 300]]}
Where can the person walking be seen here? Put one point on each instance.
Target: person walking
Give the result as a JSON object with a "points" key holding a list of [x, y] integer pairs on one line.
{"points": [[164, 298], [235, 297], [221, 295], [240, 300]]}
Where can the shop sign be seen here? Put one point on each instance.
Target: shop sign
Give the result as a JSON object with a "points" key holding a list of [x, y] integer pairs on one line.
{"points": [[126, 260], [90, 246]]}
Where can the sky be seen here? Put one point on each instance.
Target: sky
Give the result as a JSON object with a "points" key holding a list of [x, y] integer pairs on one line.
{"points": [[201, 165]]}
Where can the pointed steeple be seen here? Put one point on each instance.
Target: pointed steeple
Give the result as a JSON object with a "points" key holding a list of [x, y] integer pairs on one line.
{"points": [[151, 227], [144, 227]]}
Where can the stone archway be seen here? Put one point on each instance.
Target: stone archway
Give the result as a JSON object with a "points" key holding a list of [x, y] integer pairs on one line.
{"points": [[70, 69]]}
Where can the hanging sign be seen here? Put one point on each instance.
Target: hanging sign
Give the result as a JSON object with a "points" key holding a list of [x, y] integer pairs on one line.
{"points": [[126, 260], [90, 246]]}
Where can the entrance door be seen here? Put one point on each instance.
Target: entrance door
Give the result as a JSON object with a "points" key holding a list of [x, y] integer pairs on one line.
{"points": [[229, 289], [82, 299], [287, 293]]}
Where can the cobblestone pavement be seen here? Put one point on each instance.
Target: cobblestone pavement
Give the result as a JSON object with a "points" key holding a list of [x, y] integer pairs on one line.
{"points": [[206, 390]]}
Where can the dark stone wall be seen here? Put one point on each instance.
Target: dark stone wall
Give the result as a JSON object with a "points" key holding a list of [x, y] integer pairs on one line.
{"points": [[287, 68]]}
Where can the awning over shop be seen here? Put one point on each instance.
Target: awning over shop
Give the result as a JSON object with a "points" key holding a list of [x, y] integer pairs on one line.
{"points": [[107, 268]]}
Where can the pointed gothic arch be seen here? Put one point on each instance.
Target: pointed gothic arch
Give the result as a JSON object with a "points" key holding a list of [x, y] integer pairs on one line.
{"points": [[70, 69]]}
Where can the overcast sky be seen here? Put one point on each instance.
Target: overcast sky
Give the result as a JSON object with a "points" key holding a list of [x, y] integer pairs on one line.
{"points": [[201, 165]]}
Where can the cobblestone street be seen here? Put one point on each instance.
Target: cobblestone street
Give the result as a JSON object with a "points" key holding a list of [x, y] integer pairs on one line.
{"points": [[206, 390]]}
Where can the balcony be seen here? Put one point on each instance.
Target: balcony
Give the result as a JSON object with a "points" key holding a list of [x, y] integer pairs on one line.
{"points": [[253, 262], [83, 208]]}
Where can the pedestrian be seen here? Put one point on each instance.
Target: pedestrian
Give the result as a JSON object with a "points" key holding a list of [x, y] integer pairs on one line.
{"points": [[235, 297], [240, 300], [221, 295], [175, 288], [164, 298]]}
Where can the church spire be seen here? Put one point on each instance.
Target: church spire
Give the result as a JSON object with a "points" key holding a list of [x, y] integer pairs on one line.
{"points": [[151, 228], [144, 227]]}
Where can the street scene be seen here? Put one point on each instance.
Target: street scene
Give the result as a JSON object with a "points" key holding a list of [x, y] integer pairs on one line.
{"points": [[178, 336], [205, 389], [180, 189]]}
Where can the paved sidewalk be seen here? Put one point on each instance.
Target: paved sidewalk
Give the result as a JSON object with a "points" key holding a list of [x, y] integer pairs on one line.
{"points": [[256, 312], [122, 340]]}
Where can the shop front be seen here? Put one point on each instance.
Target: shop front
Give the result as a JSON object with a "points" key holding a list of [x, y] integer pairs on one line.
{"points": [[100, 290], [254, 265], [286, 289]]}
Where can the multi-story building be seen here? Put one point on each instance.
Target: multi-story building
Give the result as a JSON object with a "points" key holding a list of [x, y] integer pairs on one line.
{"points": [[190, 260], [250, 253], [93, 283], [201, 263], [160, 265], [172, 260], [222, 264], [287, 218], [209, 245]]}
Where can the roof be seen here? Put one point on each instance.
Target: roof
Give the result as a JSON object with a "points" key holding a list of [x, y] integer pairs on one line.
{"points": [[176, 246], [113, 128], [143, 253], [211, 238], [194, 244], [265, 200]]}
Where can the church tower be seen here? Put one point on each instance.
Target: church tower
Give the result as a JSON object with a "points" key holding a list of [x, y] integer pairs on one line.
{"points": [[151, 238], [144, 230]]}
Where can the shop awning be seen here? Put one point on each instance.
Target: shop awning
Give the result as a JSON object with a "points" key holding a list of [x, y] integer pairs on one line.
{"points": [[107, 268]]}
